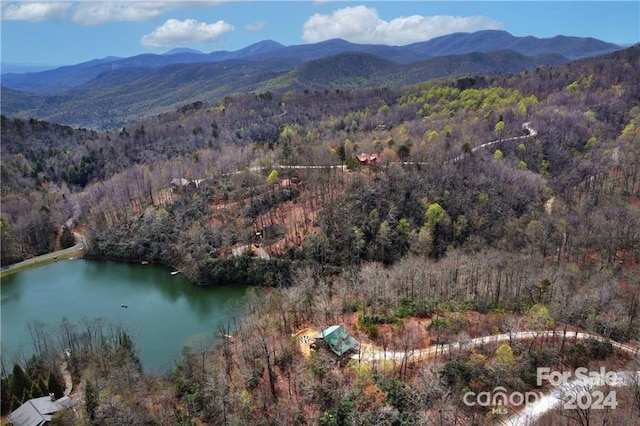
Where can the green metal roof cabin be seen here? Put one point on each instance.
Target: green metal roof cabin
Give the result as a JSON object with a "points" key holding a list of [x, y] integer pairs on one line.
{"points": [[338, 339]]}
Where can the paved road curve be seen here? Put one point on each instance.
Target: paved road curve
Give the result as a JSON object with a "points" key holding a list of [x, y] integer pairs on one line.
{"points": [[49, 256]]}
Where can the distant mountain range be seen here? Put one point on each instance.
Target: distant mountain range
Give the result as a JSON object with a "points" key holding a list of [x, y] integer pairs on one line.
{"points": [[109, 92], [17, 68]]}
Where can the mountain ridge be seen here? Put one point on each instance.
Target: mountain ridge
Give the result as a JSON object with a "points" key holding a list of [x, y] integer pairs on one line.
{"points": [[112, 92], [63, 78], [124, 95]]}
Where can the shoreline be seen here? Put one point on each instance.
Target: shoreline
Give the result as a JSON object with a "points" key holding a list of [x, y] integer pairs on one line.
{"points": [[73, 252]]}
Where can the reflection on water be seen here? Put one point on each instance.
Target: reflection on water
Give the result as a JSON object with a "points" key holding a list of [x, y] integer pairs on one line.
{"points": [[163, 312]]}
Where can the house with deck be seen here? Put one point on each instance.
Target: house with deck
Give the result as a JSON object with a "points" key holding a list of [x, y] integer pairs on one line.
{"points": [[337, 339]]}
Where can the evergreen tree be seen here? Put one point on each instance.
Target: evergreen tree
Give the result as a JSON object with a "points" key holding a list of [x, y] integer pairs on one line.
{"points": [[35, 390], [20, 382], [54, 385], [15, 403], [91, 399], [127, 351], [26, 395], [42, 385], [67, 239], [6, 395]]}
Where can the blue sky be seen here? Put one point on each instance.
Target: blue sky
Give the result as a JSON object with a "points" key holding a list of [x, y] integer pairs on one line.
{"points": [[69, 32]]}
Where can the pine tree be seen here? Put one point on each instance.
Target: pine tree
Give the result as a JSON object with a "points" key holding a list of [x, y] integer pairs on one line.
{"points": [[5, 396], [20, 382], [54, 385], [26, 395], [91, 399], [35, 390], [15, 403], [67, 239], [127, 350], [42, 385]]}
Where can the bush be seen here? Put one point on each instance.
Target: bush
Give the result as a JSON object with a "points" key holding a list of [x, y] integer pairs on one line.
{"points": [[284, 360], [350, 306], [67, 238], [412, 308], [591, 349], [459, 374], [271, 199], [372, 330]]}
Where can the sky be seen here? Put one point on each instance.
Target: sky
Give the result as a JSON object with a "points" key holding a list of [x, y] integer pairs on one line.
{"points": [[50, 32]]}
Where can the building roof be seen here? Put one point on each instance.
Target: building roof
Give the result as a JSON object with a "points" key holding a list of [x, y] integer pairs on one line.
{"points": [[178, 182], [338, 339], [365, 158], [38, 411]]}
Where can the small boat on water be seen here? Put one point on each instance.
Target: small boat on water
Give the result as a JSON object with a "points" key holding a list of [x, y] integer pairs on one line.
{"points": [[124, 306], [175, 272], [145, 262]]}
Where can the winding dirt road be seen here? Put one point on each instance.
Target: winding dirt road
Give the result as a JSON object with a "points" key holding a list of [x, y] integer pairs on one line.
{"points": [[532, 412], [369, 353]]}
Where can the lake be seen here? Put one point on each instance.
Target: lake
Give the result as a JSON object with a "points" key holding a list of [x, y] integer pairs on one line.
{"points": [[163, 312]]}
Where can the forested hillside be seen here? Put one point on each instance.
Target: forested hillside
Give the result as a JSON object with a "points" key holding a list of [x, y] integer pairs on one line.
{"points": [[489, 204], [111, 92], [127, 95]]}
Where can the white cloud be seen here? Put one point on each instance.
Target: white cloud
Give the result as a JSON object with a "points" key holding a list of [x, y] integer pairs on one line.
{"points": [[35, 11], [100, 12], [256, 26], [95, 12], [360, 24], [175, 33]]}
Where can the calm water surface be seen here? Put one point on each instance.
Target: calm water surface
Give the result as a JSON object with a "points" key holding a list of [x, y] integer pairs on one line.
{"points": [[164, 312]]}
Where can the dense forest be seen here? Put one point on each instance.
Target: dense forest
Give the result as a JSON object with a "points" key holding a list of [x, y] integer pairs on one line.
{"points": [[494, 204]]}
